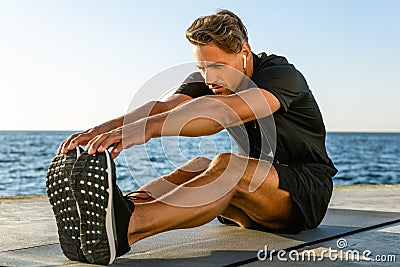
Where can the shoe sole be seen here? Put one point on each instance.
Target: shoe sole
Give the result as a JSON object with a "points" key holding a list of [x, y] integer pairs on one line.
{"points": [[93, 191], [59, 192]]}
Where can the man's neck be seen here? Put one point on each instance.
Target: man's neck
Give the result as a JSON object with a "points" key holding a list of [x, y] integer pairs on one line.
{"points": [[250, 68]]}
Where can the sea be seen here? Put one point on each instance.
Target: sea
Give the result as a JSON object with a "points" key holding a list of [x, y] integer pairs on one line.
{"points": [[361, 158]]}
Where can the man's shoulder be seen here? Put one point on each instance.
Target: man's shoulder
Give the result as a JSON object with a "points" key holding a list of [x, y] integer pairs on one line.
{"points": [[271, 65], [264, 60]]}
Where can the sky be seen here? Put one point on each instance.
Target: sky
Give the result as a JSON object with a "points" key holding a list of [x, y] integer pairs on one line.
{"points": [[71, 65]]}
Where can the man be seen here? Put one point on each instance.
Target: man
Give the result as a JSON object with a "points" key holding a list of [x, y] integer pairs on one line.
{"points": [[283, 187]]}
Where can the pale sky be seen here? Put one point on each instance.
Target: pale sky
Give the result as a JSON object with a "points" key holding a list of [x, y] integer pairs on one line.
{"points": [[68, 65]]}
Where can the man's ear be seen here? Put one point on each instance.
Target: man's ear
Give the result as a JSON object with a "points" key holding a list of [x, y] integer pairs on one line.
{"points": [[246, 50]]}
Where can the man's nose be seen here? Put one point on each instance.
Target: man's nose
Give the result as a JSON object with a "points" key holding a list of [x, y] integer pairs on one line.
{"points": [[210, 77]]}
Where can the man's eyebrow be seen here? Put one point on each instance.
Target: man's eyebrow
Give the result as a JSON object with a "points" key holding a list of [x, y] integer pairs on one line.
{"points": [[210, 65]]}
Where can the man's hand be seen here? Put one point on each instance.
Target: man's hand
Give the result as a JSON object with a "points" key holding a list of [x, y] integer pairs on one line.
{"points": [[149, 109], [120, 138], [81, 139]]}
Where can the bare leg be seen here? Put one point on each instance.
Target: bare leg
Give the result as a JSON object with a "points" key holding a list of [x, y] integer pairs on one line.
{"points": [[267, 205], [167, 183]]}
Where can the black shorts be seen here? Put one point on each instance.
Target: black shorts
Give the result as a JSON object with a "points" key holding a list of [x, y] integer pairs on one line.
{"points": [[310, 187]]}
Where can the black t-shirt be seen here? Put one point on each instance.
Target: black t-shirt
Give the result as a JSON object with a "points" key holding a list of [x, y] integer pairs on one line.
{"points": [[300, 131]]}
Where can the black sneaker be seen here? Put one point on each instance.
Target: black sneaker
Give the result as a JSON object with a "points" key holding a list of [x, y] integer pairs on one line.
{"points": [[105, 212], [59, 192]]}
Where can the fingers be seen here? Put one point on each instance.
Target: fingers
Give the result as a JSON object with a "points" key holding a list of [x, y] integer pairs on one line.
{"points": [[75, 140], [62, 149], [104, 141], [94, 144], [81, 139], [116, 150]]}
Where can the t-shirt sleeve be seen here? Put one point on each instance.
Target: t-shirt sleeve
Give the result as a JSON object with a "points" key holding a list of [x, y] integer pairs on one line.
{"points": [[284, 82], [194, 86]]}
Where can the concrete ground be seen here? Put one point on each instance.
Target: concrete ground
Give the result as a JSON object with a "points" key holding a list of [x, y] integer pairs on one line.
{"points": [[381, 245], [28, 236]]}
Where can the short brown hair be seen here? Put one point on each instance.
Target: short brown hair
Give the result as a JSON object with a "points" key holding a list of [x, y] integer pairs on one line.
{"points": [[223, 28]]}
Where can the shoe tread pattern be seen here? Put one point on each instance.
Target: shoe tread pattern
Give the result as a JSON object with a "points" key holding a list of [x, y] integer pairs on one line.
{"points": [[91, 187], [59, 192]]}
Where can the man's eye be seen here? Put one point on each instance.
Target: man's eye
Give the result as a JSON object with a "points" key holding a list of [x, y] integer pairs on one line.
{"points": [[218, 66]]}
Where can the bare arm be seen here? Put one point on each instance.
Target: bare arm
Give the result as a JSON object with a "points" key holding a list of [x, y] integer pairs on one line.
{"points": [[202, 116], [152, 108], [210, 114], [149, 109]]}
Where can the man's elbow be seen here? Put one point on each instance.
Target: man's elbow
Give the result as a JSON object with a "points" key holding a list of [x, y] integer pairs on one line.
{"points": [[219, 111]]}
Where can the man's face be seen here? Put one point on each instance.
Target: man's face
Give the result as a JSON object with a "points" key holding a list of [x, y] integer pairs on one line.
{"points": [[222, 71]]}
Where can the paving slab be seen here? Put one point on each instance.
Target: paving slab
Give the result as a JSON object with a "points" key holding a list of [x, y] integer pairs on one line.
{"points": [[29, 235], [380, 247]]}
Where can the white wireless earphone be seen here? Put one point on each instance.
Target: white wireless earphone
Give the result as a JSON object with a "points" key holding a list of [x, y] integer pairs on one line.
{"points": [[244, 62]]}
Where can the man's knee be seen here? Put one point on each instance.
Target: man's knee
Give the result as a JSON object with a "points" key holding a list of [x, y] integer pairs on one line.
{"points": [[200, 159], [196, 164], [223, 159], [230, 162]]}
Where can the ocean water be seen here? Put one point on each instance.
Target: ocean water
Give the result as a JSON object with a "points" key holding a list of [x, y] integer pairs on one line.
{"points": [[361, 158]]}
